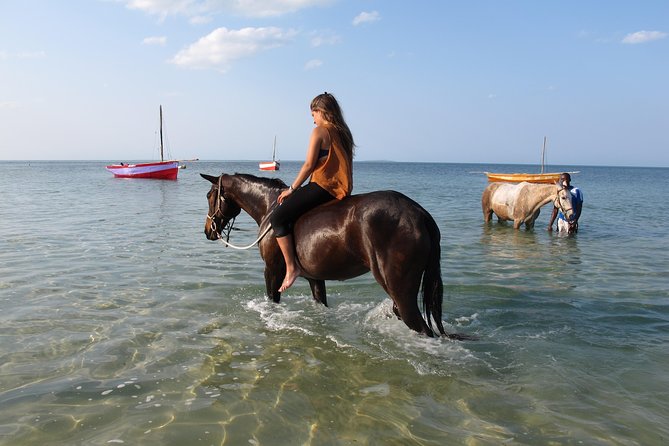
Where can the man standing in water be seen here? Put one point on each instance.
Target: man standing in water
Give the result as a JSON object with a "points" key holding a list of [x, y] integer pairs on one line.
{"points": [[569, 226]]}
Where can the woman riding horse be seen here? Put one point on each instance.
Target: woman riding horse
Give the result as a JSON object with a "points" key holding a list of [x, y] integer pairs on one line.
{"points": [[384, 232], [329, 162]]}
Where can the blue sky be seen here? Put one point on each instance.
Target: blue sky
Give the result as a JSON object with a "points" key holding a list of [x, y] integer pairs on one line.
{"points": [[437, 81]]}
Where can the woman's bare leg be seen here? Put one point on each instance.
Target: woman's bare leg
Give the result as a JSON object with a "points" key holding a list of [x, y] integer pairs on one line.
{"points": [[293, 270]]}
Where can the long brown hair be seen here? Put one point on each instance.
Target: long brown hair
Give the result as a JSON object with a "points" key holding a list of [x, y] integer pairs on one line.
{"points": [[328, 105]]}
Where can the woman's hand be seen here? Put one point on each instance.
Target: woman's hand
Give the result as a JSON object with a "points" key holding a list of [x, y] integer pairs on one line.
{"points": [[284, 194]]}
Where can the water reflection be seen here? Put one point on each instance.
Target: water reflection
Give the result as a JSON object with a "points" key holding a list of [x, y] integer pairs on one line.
{"points": [[564, 248], [529, 261], [502, 241]]}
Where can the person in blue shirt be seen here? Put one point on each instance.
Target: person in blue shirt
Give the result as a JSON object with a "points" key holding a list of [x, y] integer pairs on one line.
{"points": [[564, 225]]}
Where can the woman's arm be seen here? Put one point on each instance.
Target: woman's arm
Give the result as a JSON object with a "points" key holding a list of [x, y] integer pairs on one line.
{"points": [[319, 136]]}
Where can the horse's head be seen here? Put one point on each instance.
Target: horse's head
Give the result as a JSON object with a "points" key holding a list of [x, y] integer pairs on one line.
{"points": [[563, 201], [222, 209]]}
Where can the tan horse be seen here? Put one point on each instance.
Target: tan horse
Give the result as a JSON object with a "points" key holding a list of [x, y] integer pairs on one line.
{"points": [[522, 202]]}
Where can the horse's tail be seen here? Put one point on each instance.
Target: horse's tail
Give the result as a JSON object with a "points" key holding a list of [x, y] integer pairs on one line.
{"points": [[433, 287]]}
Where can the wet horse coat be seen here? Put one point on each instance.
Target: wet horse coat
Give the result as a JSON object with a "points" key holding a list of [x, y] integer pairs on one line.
{"points": [[384, 232], [522, 202]]}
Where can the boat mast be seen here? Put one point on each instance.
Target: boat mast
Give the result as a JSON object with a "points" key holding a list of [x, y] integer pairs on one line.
{"points": [[161, 133], [274, 149], [543, 155]]}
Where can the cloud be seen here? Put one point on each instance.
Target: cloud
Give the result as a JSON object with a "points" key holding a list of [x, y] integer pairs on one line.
{"points": [[9, 105], [164, 8], [324, 38], [313, 64], [273, 8], [198, 9], [366, 17], [643, 37], [200, 20], [156, 40], [223, 46], [5, 55], [31, 55]]}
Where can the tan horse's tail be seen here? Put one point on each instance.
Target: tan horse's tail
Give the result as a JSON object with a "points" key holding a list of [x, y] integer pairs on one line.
{"points": [[433, 287]]}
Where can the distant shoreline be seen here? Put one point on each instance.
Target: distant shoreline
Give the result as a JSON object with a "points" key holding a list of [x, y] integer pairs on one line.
{"points": [[529, 166]]}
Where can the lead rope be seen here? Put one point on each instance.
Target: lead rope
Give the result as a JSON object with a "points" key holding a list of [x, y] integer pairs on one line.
{"points": [[260, 237], [230, 245]]}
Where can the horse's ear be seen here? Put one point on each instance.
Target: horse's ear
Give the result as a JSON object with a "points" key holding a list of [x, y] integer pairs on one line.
{"points": [[211, 179]]}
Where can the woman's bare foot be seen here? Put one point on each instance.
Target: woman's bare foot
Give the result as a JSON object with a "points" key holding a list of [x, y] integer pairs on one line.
{"points": [[290, 278]]}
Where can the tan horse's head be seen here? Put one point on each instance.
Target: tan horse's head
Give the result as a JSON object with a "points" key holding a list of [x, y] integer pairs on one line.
{"points": [[563, 201]]}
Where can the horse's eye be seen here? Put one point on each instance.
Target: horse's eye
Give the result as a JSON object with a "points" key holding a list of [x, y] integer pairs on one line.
{"points": [[208, 194]]}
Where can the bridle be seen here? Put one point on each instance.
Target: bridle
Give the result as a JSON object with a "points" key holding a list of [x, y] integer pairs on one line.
{"points": [[220, 198], [557, 202]]}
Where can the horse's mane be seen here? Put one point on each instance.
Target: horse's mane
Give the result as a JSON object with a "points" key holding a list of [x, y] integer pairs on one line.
{"points": [[272, 183]]}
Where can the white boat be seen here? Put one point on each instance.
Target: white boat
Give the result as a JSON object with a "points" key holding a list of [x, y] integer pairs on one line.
{"points": [[270, 165]]}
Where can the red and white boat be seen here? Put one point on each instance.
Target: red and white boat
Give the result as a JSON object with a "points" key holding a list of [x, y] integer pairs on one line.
{"points": [[160, 170], [270, 165]]}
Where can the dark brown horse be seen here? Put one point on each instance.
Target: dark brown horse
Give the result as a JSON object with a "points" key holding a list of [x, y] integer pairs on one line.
{"points": [[383, 232]]}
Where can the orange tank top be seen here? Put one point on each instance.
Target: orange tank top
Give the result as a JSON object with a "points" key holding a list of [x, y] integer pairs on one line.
{"points": [[335, 173]]}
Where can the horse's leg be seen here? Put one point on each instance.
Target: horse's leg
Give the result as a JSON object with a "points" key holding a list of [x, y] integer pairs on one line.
{"points": [[318, 291], [272, 285], [407, 306], [403, 287], [275, 268], [273, 278], [529, 223]]}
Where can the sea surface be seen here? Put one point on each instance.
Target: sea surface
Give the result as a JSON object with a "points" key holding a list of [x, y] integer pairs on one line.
{"points": [[120, 323]]}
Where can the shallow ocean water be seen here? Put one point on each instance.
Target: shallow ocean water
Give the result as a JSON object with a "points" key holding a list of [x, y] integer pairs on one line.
{"points": [[122, 324]]}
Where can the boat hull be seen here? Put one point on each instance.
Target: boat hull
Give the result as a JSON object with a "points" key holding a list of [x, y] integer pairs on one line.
{"points": [[541, 178], [165, 170], [270, 165]]}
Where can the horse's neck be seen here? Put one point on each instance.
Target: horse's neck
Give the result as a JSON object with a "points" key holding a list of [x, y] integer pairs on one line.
{"points": [[254, 198], [547, 193]]}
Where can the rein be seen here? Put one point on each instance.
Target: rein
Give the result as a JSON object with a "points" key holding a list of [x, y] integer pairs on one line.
{"points": [[229, 226], [230, 245]]}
